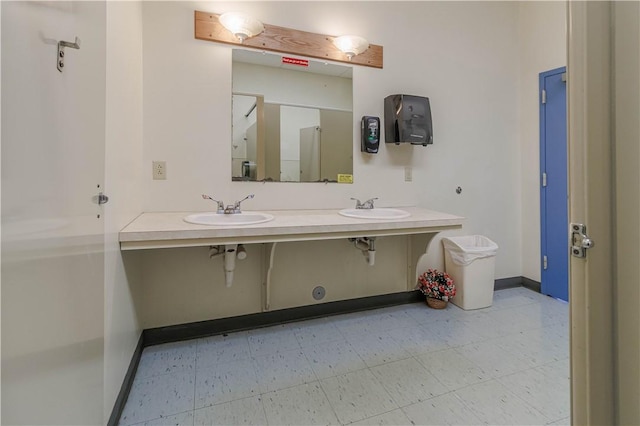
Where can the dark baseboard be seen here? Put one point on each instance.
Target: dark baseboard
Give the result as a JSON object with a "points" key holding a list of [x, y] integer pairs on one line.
{"points": [[174, 333], [121, 400], [504, 283], [531, 284]]}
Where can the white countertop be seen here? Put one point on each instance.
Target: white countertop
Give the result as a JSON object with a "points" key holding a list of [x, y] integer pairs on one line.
{"points": [[166, 230]]}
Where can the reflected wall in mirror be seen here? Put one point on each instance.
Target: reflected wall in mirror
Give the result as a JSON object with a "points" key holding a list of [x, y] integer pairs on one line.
{"points": [[291, 123]]}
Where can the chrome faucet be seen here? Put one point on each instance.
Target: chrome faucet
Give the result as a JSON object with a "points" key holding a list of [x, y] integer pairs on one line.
{"points": [[366, 205], [220, 209], [231, 208], [236, 206]]}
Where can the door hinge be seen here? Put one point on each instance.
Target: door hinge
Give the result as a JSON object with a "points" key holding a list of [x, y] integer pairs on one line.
{"points": [[544, 262], [544, 96], [544, 179]]}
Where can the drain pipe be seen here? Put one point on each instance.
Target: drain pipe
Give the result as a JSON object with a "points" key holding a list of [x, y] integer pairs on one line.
{"points": [[371, 253], [230, 252], [368, 247]]}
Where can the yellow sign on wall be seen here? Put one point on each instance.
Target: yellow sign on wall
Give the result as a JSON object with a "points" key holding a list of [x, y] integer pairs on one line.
{"points": [[343, 178]]}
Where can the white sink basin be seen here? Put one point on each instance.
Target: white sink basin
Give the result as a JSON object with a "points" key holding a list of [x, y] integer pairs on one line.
{"points": [[235, 219], [375, 213]]}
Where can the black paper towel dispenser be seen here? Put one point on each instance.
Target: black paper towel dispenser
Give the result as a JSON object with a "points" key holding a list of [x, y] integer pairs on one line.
{"points": [[407, 119]]}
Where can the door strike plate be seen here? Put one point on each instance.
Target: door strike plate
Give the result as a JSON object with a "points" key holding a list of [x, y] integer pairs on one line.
{"points": [[580, 241]]}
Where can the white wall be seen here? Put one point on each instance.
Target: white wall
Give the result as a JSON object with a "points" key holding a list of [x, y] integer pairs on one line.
{"points": [[123, 184], [542, 47], [463, 56]]}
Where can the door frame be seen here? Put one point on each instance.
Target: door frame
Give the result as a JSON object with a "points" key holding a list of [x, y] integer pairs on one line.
{"points": [[591, 286]]}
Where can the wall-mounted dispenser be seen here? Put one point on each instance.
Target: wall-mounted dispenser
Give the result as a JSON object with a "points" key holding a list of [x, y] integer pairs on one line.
{"points": [[407, 119], [370, 134]]}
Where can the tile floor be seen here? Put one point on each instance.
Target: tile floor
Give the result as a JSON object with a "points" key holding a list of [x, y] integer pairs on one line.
{"points": [[403, 365]]}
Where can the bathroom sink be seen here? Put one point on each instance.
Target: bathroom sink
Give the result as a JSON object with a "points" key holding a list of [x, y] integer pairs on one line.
{"points": [[235, 219], [375, 213]]}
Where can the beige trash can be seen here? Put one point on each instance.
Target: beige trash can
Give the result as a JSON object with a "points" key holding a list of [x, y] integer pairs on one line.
{"points": [[470, 261]]}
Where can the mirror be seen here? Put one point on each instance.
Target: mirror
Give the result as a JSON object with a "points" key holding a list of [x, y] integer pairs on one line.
{"points": [[292, 119]]}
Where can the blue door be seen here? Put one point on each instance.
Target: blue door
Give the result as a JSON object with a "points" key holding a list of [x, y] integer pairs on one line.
{"points": [[553, 184]]}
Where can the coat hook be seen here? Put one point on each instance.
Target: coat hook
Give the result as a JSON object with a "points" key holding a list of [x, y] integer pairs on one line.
{"points": [[61, 45]]}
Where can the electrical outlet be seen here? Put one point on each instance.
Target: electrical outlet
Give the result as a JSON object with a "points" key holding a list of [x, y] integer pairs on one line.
{"points": [[408, 174], [159, 170]]}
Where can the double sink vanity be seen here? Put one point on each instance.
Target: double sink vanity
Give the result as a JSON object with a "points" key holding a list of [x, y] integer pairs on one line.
{"points": [[227, 232], [171, 230]]}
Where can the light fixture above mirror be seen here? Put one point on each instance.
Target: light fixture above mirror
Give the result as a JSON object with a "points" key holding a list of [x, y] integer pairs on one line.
{"points": [[351, 45], [353, 50], [240, 25]]}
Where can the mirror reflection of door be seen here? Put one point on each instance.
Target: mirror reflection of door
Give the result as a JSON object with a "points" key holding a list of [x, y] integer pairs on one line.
{"points": [[336, 146], [292, 121], [310, 154], [247, 144]]}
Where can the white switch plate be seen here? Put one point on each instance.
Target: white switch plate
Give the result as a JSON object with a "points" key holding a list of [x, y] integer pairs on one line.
{"points": [[159, 170], [408, 174]]}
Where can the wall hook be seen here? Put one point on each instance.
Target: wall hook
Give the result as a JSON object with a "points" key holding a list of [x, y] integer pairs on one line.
{"points": [[61, 45]]}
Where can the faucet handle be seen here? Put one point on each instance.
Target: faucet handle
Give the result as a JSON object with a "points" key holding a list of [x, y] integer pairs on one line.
{"points": [[366, 205], [220, 203], [369, 203], [358, 203], [236, 206]]}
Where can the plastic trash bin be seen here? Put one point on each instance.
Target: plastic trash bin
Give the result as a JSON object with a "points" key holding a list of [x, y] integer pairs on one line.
{"points": [[471, 261]]}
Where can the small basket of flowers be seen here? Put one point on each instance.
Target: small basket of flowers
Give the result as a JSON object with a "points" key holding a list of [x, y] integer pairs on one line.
{"points": [[437, 286]]}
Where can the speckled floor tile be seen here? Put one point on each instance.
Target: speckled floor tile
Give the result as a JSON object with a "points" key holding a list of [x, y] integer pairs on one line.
{"points": [[549, 394], [358, 326], [282, 370], [274, 339], [538, 346], [493, 359], [513, 297], [362, 367], [182, 419], [300, 405], [445, 409], [418, 340], [376, 349], [392, 418], [545, 314], [222, 348], [225, 382], [159, 396], [333, 358], [494, 404], [315, 332], [562, 422], [392, 320], [246, 411], [408, 382], [457, 331], [167, 358], [356, 396], [452, 369]]}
